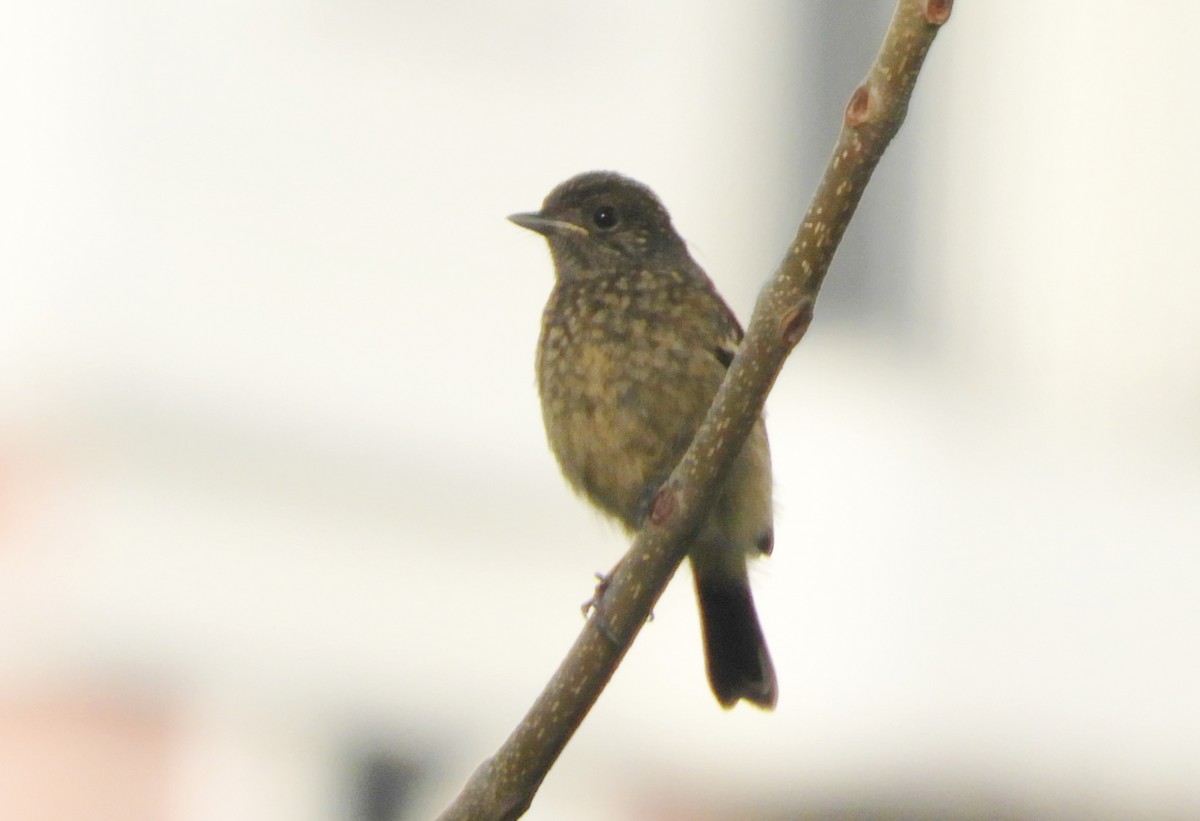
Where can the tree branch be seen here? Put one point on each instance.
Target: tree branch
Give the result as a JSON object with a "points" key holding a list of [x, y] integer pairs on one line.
{"points": [[504, 785]]}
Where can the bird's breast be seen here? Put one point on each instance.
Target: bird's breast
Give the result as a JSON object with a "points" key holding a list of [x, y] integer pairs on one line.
{"points": [[624, 384]]}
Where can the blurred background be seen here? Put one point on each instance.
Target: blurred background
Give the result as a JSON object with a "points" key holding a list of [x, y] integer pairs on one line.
{"points": [[280, 536]]}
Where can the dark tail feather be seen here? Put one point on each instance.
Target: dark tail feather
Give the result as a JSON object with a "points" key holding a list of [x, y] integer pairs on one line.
{"points": [[739, 665]]}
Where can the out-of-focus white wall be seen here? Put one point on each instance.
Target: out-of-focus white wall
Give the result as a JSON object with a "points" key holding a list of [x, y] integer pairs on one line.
{"points": [[271, 461]]}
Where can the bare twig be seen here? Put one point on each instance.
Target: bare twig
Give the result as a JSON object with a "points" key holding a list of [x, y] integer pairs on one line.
{"points": [[504, 785]]}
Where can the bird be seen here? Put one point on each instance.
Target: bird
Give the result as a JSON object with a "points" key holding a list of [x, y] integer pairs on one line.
{"points": [[634, 343]]}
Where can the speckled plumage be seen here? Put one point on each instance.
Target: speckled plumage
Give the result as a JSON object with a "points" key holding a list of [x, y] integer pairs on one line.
{"points": [[635, 342]]}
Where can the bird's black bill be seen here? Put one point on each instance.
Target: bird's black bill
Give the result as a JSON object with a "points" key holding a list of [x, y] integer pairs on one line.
{"points": [[546, 226]]}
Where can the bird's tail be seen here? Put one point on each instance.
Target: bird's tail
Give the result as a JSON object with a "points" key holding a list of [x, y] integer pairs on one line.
{"points": [[735, 651]]}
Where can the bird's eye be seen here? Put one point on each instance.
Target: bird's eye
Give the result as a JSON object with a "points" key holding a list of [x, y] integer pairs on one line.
{"points": [[605, 217]]}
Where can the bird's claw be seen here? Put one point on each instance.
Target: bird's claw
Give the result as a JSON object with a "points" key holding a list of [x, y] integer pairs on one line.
{"points": [[595, 608], [594, 603]]}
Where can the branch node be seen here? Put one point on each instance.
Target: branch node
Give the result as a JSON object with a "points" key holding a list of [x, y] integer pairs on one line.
{"points": [[795, 323], [937, 12], [858, 110], [664, 506]]}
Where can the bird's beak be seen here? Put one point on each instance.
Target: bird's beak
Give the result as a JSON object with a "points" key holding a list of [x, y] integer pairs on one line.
{"points": [[545, 226]]}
